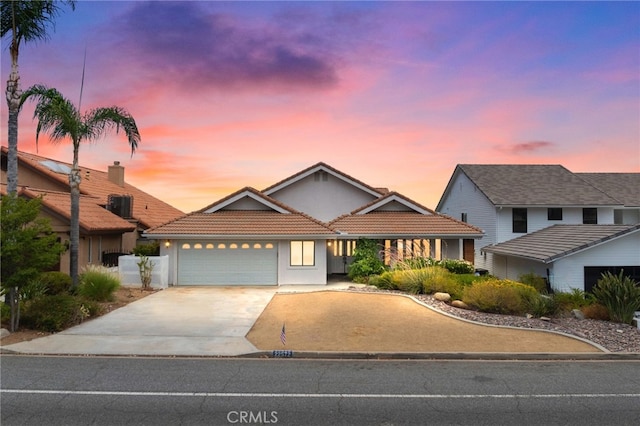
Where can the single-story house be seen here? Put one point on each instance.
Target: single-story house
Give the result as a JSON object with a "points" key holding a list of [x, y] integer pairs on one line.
{"points": [[301, 230]]}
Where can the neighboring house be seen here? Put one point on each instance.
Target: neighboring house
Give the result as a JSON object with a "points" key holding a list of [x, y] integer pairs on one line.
{"points": [[113, 213], [533, 205], [301, 230]]}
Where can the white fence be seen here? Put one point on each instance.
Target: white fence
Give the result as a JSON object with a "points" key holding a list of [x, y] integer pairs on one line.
{"points": [[130, 273]]}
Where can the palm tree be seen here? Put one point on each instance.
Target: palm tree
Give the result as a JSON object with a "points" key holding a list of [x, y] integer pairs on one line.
{"points": [[61, 119], [25, 21]]}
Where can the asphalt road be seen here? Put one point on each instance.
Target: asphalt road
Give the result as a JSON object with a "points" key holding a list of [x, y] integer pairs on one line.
{"points": [[177, 391]]}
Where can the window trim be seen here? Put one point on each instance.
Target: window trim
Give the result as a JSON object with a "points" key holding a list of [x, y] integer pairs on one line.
{"points": [[554, 213], [518, 224], [306, 248]]}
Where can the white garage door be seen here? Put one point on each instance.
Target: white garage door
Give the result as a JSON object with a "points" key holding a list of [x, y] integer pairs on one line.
{"points": [[227, 263]]}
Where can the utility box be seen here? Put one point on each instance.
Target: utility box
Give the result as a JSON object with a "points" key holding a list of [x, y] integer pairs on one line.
{"points": [[130, 273]]}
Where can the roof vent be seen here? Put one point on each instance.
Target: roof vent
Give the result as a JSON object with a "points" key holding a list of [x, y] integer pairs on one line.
{"points": [[121, 205]]}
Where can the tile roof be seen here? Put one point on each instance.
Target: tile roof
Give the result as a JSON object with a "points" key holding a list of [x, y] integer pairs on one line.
{"points": [[147, 209], [392, 223], [557, 241], [624, 187], [541, 185], [93, 219], [242, 223]]}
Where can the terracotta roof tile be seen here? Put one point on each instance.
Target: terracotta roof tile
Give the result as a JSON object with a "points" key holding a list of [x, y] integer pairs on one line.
{"points": [[147, 209], [93, 218], [389, 223], [242, 222]]}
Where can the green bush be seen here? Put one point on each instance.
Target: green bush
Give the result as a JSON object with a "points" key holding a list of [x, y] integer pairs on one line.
{"points": [[410, 280], [540, 305], [34, 289], [5, 313], [149, 249], [441, 280], [97, 283], [54, 313], [620, 294], [383, 281], [535, 281], [499, 296], [56, 282], [457, 266], [576, 299], [366, 261]]}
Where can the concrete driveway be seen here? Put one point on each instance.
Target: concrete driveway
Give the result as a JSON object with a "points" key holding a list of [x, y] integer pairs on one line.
{"points": [[181, 321]]}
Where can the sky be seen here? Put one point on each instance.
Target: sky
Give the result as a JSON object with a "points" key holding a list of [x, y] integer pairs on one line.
{"points": [[395, 94]]}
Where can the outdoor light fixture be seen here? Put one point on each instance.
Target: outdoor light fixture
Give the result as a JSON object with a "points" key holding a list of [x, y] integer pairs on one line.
{"points": [[167, 243]]}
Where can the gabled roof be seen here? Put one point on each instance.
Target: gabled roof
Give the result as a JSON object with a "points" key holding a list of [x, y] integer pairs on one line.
{"points": [[267, 202], [390, 198], [403, 224], [531, 185], [558, 241], [624, 187], [148, 210], [327, 168], [94, 219], [236, 223]]}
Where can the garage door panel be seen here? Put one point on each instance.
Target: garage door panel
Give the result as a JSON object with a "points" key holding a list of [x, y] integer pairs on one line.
{"points": [[228, 266]]}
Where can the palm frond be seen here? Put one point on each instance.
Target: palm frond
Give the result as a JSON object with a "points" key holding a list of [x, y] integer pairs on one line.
{"points": [[100, 120]]}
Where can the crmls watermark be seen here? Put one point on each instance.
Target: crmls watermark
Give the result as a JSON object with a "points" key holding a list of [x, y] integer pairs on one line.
{"points": [[252, 417]]}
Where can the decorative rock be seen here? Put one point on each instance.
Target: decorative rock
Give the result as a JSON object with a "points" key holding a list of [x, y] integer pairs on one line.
{"points": [[529, 316], [577, 314], [4, 332], [459, 304], [545, 318], [443, 297]]}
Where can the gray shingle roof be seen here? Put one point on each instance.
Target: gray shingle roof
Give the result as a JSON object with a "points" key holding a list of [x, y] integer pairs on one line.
{"points": [[541, 185], [624, 187], [554, 242]]}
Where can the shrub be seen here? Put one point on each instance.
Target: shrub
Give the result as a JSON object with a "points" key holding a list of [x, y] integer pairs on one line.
{"points": [[54, 313], [620, 294], [149, 249], [383, 281], [576, 299], [56, 282], [410, 280], [595, 311], [33, 289], [5, 313], [441, 280], [366, 261], [540, 305], [458, 266], [98, 283], [535, 281], [499, 296]]}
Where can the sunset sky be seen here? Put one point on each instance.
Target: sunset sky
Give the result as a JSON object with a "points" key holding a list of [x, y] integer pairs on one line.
{"points": [[395, 94]]}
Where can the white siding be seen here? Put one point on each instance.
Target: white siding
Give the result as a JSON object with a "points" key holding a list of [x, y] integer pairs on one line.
{"points": [[324, 200], [512, 268], [568, 272], [316, 274], [465, 197]]}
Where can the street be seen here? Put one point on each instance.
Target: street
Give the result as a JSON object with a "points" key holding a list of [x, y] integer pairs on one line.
{"points": [[201, 391]]}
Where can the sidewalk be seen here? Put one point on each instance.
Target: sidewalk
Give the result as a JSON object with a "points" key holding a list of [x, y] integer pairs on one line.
{"points": [[214, 322]]}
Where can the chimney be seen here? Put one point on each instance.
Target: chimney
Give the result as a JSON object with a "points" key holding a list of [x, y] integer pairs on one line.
{"points": [[116, 174]]}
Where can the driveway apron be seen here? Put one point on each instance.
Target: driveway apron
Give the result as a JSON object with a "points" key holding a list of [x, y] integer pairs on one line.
{"points": [[181, 321]]}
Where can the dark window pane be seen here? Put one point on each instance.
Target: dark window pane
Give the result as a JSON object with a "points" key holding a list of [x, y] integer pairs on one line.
{"points": [[590, 216], [520, 221], [554, 214]]}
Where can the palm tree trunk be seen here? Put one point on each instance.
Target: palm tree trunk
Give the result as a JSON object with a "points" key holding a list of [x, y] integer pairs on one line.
{"points": [[74, 185], [13, 94]]}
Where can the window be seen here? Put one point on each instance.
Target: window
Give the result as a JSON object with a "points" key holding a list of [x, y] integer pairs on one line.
{"points": [[463, 217], [590, 216], [520, 221], [302, 253], [554, 213]]}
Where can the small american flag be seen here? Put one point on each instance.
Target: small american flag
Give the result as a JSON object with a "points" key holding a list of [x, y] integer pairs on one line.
{"points": [[283, 336]]}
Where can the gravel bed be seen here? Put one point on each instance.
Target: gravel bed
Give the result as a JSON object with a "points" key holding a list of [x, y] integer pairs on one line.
{"points": [[612, 336]]}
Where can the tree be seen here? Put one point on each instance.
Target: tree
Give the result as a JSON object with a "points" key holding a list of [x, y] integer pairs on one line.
{"points": [[61, 119], [24, 21], [28, 248]]}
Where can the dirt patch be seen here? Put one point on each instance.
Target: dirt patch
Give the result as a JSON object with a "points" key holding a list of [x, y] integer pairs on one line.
{"points": [[123, 296], [343, 321]]}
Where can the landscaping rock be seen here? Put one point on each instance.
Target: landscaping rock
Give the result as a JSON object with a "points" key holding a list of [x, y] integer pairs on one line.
{"points": [[459, 304], [545, 318], [577, 314], [4, 332], [443, 297]]}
